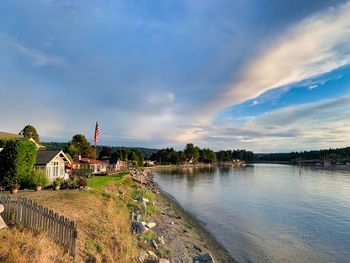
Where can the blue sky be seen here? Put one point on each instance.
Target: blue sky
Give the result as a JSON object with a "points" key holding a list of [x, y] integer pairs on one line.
{"points": [[261, 75]]}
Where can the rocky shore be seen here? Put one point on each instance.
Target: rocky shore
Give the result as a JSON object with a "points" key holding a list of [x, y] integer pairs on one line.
{"points": [[184, 235]]}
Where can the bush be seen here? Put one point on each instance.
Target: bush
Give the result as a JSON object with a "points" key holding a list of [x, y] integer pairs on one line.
{"points": [[72, 183], [82, 182], [57, 182], [40, 179], [16, 162]]}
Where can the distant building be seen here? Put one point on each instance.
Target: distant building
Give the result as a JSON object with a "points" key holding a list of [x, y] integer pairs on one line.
{"points": [[96, 166], [190, 160], [149, 163], [52, 162], [116, 165]]}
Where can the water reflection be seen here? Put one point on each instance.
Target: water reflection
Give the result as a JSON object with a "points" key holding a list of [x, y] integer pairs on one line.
{"points": [[269, 213]]}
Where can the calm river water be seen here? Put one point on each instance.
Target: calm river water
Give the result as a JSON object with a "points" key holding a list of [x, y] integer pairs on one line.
{"points": [[268, 212]]}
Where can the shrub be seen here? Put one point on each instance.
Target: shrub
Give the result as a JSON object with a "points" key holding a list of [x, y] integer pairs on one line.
{"points": [[72, 183], [40, 179], [57, 182], [16, 162], [82, 181]]}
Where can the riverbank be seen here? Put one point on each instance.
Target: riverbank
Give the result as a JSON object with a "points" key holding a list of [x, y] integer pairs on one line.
{"points": [[185, 235]]}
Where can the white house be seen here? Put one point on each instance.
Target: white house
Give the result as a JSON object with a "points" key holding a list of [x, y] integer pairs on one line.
{"points": [[53, 162]]}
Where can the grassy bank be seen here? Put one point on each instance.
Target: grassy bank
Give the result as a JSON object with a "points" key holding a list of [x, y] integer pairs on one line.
{"points": [[102, 216]]}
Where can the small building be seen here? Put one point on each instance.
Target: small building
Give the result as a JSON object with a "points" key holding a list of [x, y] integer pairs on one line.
{"points": [[149, 163], [116, 165], [52, 162], [191, 160], [96, 166]]}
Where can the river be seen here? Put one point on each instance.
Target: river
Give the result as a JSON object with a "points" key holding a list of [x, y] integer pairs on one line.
{"points": [[268, 212]]}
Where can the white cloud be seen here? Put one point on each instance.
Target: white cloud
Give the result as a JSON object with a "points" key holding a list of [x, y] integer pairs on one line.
{"points": [[314, 46], [315, 125]]}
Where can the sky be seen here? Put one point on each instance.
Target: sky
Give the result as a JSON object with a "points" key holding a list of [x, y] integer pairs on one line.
{"points": [[266, 76]]}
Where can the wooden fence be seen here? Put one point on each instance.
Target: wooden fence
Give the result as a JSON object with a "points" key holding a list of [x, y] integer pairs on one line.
{"points": [[24, 212]]}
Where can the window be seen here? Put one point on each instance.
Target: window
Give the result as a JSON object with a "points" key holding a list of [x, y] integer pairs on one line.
{"points": [[98, 168], [55, 168]]}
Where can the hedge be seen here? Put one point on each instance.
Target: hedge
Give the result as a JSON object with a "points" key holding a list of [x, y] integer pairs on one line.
{"points": [[16, 162]]}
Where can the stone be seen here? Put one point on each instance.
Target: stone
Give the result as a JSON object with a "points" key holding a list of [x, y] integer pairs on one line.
{"points": [[151, 224], [138, 228], [154, 243], [205, 258], [1, 208], [152, 255], [163, 260], [143, 255], [161, 240]]}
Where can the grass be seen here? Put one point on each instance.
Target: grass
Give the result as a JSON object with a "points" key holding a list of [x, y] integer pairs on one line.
{"points": [[102, 216], [21, 246], [104, 230], [99, 182]]}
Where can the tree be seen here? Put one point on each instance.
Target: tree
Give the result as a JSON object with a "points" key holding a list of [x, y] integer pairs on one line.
{"points": [[106, 152], [80, 146], [191, 151], [129, 154], [30, 132], [16, 162]]}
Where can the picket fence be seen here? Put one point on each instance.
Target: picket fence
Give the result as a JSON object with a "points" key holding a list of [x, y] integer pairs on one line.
{"points": [[26, 213]]}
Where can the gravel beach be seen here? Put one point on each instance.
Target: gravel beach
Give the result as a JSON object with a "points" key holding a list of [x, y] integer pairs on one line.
{"points": [[184, 234]]}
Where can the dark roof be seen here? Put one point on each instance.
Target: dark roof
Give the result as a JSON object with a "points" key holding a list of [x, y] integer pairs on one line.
{"points": [[6, 135], [44, 157]]}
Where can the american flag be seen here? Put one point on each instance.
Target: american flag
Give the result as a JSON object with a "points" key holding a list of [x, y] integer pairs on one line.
{"points": [[97, 134]]}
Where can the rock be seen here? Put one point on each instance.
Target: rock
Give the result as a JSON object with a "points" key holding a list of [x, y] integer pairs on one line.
{"points": [[205, 258], [138, 228], [172, 223], [143, 255], [161, 240], [1, 208], [151, 224], [163, 260], [121, 190], [152, 255], [154, 243]]}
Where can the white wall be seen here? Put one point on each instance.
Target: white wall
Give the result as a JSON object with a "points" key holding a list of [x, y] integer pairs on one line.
{"points": [[55, 169]]}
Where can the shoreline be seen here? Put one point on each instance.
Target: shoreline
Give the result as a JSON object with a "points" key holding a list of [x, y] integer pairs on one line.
{"points": [[186, 235], [211, 244]]}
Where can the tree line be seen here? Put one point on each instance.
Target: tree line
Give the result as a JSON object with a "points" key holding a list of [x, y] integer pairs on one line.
{"points": [[334, 155], [198, 155]]}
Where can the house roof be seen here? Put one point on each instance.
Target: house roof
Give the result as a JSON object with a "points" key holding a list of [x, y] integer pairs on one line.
{"points": [[7, 135], [44, 157]]}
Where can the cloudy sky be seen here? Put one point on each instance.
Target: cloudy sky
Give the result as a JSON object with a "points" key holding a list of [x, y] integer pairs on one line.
{"points": [[267, 76]]}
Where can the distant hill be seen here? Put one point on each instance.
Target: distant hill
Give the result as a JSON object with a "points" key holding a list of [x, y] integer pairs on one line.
{"points": [[147, 152], [335, 155]]}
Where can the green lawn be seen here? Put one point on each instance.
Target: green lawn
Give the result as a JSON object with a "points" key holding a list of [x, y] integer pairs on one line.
{"points": [[98, 182]]}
